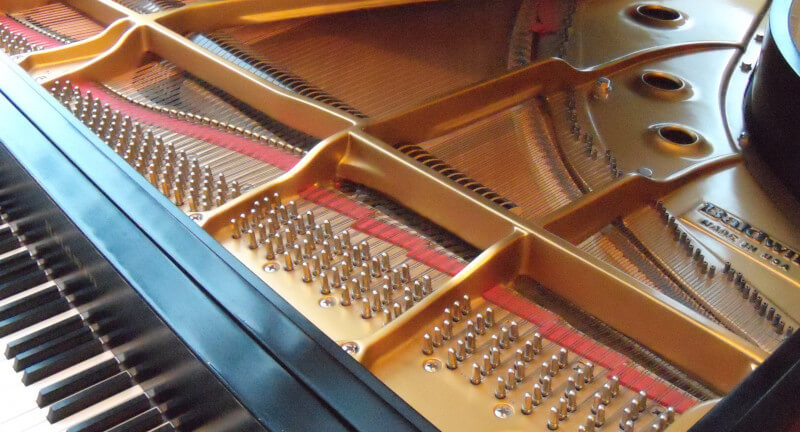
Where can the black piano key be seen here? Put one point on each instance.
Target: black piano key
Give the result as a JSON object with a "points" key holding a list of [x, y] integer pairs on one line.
{"points": [[27, 319], [41, 336], [75, 383], [140, 423], [166, 427], [29, 302], [113, 416], [88, 397], [16, 265], [53, 347], [61, 361], [8, 242], [22, 282]]}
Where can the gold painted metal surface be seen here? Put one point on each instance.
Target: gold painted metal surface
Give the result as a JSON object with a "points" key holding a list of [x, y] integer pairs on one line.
{"points": [[591, 43], [441, 134]]}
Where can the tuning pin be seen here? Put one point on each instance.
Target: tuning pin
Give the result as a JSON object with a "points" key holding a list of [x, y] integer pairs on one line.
{"points": [[588, 372], [537, 394], [375, 300], [366, 308], [600, 416], [461, 350], [504, 337], [427, 284], [470, 342], [494, 356], [519, 369], [563, 408], [527, 404], [544, 370], [437, 336], [511, 379], [614, 386], [500, 389], [552, 419], [563, 360], [589, 426], [605, 393], [288, 264], [489, 317], [547, 386], [642, 401], [476, 374], [405, 273], [417, 292], [486, 367], [597, 400], [537, 343], [307, 278], [628, 427], [480, 324], [427, 344], [346, 298], [325, 287], [554, 365], [625, 417]]}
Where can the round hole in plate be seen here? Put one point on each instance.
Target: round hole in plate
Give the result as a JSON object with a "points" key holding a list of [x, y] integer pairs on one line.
{"points": [[655, 15], [678, 135], [658, 13], [663, 81]]}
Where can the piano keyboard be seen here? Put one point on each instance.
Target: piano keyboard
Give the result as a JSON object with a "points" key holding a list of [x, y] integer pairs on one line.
{"points": [[55, 372]]}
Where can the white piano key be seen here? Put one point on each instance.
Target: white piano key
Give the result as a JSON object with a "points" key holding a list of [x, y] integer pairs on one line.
{"points": [[16, 399], [37, 421], [28, 292], [13, 253]]}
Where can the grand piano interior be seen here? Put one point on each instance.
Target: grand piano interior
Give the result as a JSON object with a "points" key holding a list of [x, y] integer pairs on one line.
{"points": [[494, 215]]}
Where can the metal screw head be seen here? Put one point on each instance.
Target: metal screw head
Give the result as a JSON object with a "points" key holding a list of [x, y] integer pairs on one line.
{"points": [[602, 88], [432, 365], [327, 302], [744, 139], [196, 216], [503, 410], [271, 267], [647, 172], [350, 347]]}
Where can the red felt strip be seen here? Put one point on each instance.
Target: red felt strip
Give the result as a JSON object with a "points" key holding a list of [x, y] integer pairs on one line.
{"points": [[318, 195], [335, 202], [30, 34], [656, 390], [416, 246], [525, 309], [550, 328], [439, 261], [262, 152], [388, 233]]}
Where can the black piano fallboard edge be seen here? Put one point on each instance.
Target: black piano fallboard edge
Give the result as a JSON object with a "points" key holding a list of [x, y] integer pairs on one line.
{"points": [[342, 386]]}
